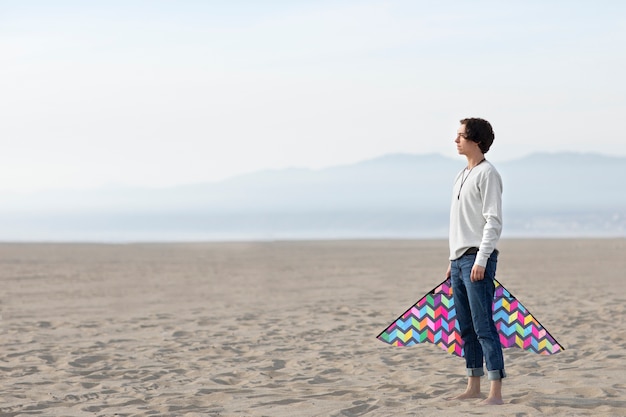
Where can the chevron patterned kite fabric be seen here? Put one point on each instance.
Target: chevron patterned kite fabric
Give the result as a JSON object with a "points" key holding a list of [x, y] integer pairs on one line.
{"points": [[433, 319]]}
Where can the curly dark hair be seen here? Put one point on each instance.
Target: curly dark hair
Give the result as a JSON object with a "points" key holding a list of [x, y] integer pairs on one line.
{"points": [[479, 131]]}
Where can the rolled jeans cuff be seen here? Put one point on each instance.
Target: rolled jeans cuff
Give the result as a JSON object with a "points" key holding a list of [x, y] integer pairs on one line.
{"points": [[475, 371], [495, 375]]}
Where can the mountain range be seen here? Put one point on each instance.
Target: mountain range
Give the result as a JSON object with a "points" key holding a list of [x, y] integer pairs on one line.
{"points": [[393, 196]]}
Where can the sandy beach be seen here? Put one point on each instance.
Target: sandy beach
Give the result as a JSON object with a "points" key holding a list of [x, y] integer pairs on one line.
{"points": [[286, 329]]}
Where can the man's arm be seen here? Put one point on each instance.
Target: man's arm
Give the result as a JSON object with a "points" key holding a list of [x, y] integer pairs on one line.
{"points": [[491, 189]]}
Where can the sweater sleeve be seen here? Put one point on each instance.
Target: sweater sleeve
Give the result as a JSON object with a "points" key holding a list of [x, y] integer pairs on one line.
{"points": [[491, 190]]}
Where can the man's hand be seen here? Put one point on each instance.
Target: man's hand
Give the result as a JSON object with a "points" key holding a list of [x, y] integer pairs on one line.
{"points": [[478, 273], [449, 271]]}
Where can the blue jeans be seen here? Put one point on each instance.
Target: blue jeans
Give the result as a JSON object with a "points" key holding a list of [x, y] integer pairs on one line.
{"points": [[474, 312]]}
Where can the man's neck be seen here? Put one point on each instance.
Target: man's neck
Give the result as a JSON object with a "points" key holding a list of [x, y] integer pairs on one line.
{"points": [[474, 159]]}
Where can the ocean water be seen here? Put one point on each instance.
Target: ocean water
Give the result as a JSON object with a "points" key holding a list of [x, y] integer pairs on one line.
{"points": [[249, 225]]}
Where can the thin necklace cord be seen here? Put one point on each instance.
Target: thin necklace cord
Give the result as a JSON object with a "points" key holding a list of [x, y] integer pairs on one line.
{"points": [[458, 197]]}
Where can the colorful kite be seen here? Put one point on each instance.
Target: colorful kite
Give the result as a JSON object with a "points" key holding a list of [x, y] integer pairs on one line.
{"points": [[433, 319]]}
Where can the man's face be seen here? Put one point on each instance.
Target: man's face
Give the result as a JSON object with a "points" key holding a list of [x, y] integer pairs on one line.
{"points": [[464, 145]]}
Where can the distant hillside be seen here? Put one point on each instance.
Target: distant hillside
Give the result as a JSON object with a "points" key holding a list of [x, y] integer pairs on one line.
{"points": [[397, 195]]}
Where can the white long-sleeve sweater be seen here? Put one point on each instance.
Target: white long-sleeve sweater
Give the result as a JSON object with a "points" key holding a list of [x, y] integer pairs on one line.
{"points": [[476, 213]]}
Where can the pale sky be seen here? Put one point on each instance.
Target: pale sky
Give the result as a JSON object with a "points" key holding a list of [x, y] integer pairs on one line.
{"points": [[160, 93]]}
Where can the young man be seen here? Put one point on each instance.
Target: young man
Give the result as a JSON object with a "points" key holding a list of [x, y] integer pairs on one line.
{"points": [[475, 226]]}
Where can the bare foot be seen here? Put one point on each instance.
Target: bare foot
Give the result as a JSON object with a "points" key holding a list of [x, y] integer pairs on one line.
{"points": [[492, 401], [495, 393], [471, 391], [466, 396]]}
